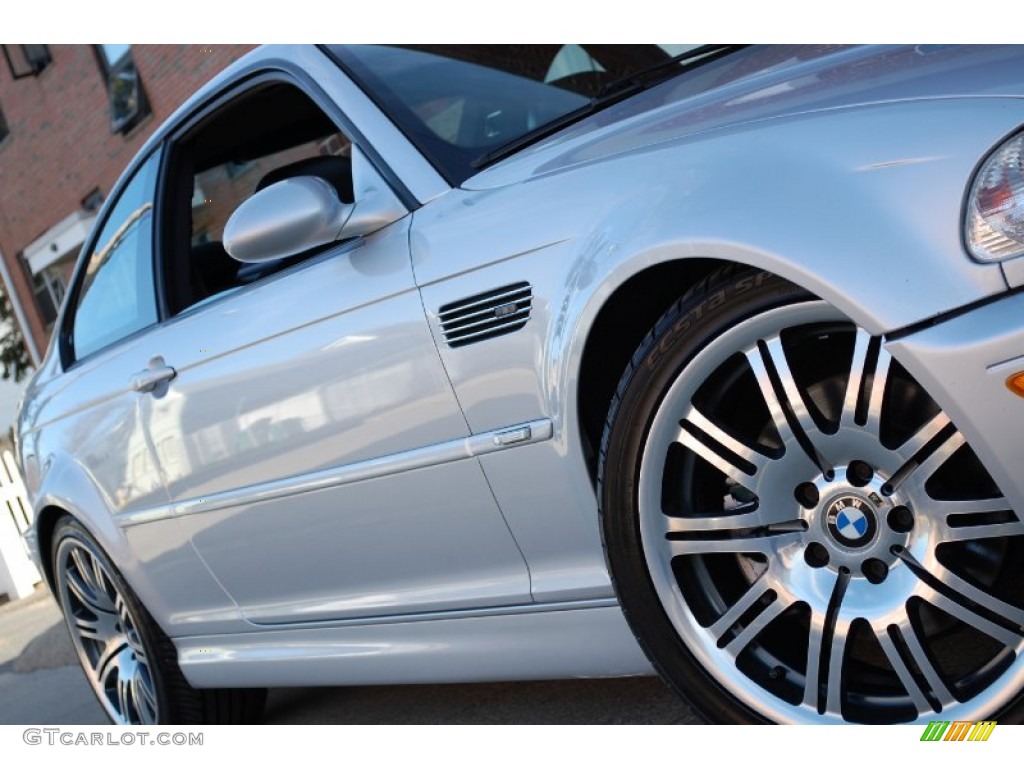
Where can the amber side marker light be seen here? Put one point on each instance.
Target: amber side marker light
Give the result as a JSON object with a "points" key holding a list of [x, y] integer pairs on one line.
{"points": [[1016, 383]]}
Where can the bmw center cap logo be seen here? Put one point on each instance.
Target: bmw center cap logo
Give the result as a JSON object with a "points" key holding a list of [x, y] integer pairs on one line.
{"points": [[851, 521]]}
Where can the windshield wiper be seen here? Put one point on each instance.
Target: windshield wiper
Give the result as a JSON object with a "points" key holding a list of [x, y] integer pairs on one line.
{"points": [[683, 62], [612, 92]]}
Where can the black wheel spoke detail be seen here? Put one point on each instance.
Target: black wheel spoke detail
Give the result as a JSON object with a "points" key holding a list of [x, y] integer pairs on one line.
{"points": [[825, 650]]}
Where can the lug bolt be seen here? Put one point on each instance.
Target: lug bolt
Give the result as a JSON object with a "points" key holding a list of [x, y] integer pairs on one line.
{"points": [[806, 495], [900, 519], [816, 555], [859, 473], [874, 570]]}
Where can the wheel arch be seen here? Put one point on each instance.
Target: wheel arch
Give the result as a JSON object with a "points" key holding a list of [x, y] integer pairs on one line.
{"points": [[612, 326], [45, 524], [621, 323], [67, 490]]}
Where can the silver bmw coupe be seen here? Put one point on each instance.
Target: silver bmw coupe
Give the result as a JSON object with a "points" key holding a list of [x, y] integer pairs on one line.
{"points": [[398, 364]]}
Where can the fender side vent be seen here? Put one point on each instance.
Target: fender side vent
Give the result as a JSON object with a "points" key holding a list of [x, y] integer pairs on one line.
{"points": [[486, 315]]}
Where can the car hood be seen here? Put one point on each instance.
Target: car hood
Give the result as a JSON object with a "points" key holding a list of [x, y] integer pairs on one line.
{"points": [[762, 83]]}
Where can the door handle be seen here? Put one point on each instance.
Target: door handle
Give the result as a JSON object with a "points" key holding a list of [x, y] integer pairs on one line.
{"points": [[155, 374]]}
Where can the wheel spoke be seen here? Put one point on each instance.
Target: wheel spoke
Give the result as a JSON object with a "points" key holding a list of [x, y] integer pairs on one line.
{"points": [[834, 684], [752, 462], [853, 383], [83, 568], [826, 644], [794, 400], [759, 518], [764, 545], [815, 642], [108, 661], [943, 592], [85, 595], [124, 697], [755, 592], [829, 647], [768, 362], [876, 395], [987, 531], [923, 662], [976, 620], [919, 439], [97, 629], [144, 700], [979, 596], [764, 382], [83, 582], [762, 620], [921, 471], [100, 579], [917, 695], [967, 506]]}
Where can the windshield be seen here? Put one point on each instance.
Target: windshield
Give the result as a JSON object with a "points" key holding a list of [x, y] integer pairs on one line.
{"points": [[460, 103]]}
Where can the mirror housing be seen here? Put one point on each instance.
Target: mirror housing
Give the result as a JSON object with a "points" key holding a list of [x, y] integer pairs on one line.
{"points": [[304, 212], [285, 219]]}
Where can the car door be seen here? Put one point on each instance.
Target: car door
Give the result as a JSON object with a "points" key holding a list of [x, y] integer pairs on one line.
{"points": [[311, 443]]}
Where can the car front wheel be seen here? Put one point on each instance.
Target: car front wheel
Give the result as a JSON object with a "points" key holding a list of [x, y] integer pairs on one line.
{"points": [[797, 531]]}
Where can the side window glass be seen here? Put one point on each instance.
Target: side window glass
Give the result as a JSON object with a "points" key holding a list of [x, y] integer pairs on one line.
{"points": [[274, 133], [117, 296], [571, 60]]}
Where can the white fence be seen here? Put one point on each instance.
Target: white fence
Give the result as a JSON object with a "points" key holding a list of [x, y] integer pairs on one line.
{"points": [[18, 576]]}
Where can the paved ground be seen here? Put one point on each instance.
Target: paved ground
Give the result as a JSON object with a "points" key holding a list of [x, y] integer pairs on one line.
{"points": [[40, 683]]}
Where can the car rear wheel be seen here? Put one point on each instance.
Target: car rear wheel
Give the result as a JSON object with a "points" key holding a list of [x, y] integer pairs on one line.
{"points": [[129, 662], [797, 532]]}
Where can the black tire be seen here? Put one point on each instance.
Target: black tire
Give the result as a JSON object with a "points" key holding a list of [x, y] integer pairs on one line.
{"points": [[130, 663], [684, 572]]}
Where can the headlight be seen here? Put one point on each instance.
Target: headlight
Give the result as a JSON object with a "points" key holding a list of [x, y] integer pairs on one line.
{"points": [[995, 206]]}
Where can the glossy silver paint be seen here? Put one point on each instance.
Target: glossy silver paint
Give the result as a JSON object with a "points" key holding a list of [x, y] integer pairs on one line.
{"points": [[518, 643], [337, 406], [370, 469], [285, 219]]}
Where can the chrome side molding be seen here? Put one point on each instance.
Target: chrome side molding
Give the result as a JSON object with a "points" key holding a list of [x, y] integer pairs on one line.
{"points": [[368, 469]]}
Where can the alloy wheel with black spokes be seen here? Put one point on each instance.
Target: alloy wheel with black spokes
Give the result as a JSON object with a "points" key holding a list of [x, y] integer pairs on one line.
{"points": [[797, 532], [105, 632]]}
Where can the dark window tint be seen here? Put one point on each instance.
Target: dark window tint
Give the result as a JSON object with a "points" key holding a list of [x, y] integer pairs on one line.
{"points": [[116, 296], [460, 102], [269, 134]]}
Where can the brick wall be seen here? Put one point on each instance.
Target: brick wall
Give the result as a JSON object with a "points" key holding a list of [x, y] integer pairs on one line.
{"points": [[60, 145]]}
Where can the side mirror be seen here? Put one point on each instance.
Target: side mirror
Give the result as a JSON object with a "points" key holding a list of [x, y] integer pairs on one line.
{"points": [[297, 214]]}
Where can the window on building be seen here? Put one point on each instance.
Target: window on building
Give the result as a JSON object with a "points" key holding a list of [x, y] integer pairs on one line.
{"points": [[44, 297], [4, 130], [26, 60], [93, 201], [128, 103]]}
